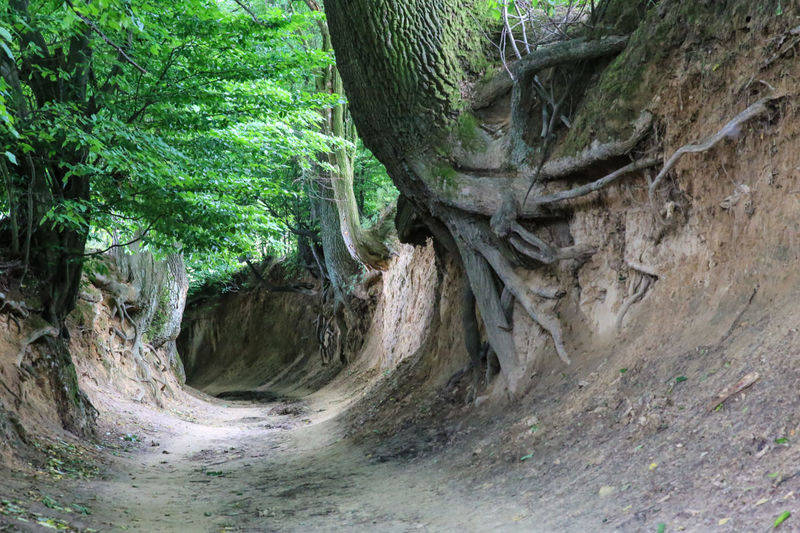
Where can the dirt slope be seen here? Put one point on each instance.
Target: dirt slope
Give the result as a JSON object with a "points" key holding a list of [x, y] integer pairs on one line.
{"points": [[625, 439]]}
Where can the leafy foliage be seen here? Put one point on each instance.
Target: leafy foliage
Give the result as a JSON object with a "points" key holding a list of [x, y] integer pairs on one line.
{"points": [[193, 121]]}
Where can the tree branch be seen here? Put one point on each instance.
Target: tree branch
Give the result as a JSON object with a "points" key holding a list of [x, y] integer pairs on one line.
{"points": [[103, 36], [250, 12], [133, 241]]}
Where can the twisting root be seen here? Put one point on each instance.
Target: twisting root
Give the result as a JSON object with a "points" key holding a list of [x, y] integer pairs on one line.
{"points": [[644, 284], [16, 307], [731, 129], [583, 190], [517, 287]]}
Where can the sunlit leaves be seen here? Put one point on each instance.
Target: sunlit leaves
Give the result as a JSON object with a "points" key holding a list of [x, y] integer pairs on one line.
{"points": [[208, 152]]}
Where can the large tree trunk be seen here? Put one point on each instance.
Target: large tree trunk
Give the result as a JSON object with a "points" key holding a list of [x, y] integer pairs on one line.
{"points": [[411, 69], [56, 251], [342, 269], [363, 246], [339, 263]]}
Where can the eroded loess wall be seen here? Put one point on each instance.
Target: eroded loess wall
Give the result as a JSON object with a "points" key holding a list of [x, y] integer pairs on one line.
{"points": [[257, 339], [112, 360], [242, 340]]}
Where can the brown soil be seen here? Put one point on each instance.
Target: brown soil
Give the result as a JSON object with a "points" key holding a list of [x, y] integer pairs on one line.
{"points": [[624, 439], [594, 449]]}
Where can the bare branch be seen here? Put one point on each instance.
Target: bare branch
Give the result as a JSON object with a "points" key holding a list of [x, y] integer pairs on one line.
{"points": [[249, 11], [132, 241]]}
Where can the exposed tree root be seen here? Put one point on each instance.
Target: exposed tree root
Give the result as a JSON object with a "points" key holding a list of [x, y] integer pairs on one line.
{"points": [[596, 185], [644, 269], [498, 329], [643, 284], [47, 331], [119, 333], [596, 153], [482, 259], [731, 129], [485, 195], [517, 287], [469, 321], [16, 307], [545, 57]]}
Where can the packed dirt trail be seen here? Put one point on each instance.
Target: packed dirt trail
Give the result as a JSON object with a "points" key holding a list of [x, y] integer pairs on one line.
{"points": [[240, 466]]}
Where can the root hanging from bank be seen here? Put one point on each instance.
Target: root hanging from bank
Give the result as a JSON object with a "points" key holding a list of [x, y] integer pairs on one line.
{"points": [[730, 130], [47, 331], [640, 287]]}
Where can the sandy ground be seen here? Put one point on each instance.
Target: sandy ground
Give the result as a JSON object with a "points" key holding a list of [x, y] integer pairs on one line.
{"points": [[633, 450], [239, 466]]}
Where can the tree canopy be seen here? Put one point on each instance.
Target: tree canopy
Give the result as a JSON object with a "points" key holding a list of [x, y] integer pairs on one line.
{"points": [[187, 125]]}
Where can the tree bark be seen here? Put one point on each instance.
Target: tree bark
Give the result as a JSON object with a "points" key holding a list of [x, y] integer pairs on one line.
{"points": [[364, 247], [411, 69]]}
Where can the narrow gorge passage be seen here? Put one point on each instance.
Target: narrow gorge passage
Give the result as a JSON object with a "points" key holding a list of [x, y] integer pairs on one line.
{"points": [[451, 266], [242, 467]]}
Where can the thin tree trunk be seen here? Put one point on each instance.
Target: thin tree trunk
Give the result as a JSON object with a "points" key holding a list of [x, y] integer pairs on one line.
{"points": [[361, 245]]}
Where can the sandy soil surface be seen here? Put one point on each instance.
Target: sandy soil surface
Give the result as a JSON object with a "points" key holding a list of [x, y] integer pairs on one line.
{"points": [[282, 466], [633, 450]]}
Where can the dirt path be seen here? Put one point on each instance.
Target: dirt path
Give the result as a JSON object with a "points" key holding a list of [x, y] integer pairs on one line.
{"points": [[244, 467]]}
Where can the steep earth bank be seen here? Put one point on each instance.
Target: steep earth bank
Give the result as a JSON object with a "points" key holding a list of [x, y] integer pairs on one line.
{"points": [[661, 323], [688, 298]]}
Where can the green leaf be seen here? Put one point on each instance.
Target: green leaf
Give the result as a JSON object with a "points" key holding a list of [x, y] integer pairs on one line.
{"points": [[680, 379], [781, 440], [51, 503], [782, 518], [623, 370], [11, 157], [526, 457], [662, 527], [7, 50]]}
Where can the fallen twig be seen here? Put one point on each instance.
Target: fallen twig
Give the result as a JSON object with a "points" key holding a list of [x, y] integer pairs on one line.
{"points": [[740, 385]]}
